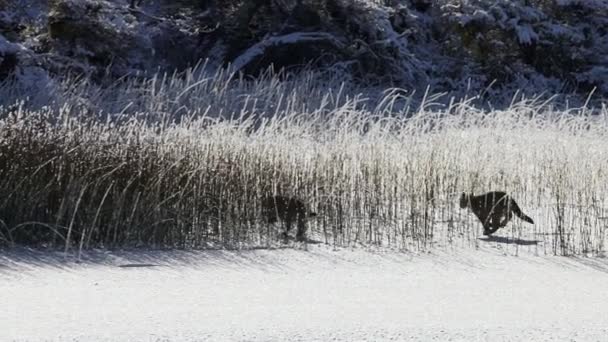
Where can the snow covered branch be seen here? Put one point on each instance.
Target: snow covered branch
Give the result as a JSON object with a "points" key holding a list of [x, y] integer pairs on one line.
{"points": [[258, 50]]}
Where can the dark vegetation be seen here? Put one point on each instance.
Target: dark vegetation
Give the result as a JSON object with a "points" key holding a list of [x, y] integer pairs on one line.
{"points": [[449, 45]]}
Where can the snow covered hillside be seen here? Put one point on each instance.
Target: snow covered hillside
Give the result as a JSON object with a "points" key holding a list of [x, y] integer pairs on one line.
{"points": [[450, 45], [319, 294]]}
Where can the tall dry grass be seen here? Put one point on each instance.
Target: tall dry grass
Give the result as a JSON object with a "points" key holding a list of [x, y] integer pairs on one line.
{"points": [[184, 161]]}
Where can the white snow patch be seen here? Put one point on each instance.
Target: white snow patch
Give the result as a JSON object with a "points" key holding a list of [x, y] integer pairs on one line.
{"points": [[295, 295]]}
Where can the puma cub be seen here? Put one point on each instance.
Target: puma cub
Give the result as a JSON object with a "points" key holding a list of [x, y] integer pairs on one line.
{"points": [[494, 209], [288, 210]]}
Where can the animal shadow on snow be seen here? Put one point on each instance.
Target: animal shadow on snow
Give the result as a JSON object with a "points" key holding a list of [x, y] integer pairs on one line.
{"points": [[510, 241], [304, 240], [137, 265]]}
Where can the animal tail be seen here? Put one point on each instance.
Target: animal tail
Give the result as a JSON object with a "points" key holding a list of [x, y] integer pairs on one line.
{"points": [[517, 211]]}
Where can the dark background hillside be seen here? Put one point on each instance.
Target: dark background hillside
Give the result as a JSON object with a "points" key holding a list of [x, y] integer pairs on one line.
{"points": [[550, 46]]}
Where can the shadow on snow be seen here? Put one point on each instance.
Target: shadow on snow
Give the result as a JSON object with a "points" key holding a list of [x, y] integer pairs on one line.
{"points": [[506, 240]]}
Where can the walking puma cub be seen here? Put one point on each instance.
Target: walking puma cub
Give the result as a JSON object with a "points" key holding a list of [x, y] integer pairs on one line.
{"points": [[494, 209], [288, 210]]}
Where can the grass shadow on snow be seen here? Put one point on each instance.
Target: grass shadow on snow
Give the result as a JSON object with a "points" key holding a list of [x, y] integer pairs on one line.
{"points": [[31, 259], [599, 264], [16, 259]]}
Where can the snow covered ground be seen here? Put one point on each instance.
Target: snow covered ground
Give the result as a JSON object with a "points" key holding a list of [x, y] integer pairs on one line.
{"points": [[319, 294]]}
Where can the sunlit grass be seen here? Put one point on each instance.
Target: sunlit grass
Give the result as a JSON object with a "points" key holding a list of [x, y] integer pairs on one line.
{"points": [[184, 161]]}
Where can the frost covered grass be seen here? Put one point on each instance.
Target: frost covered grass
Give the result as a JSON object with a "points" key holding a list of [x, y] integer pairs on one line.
{"points": [[184, 161]]}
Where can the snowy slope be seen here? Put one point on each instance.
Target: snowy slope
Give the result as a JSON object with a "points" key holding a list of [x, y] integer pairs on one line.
{"points": [[316, 295]]}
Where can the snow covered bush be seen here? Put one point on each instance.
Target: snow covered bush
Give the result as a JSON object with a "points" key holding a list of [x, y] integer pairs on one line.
{"points": [[506, 38]]}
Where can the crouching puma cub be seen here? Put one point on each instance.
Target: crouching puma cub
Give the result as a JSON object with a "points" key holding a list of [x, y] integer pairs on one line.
{"points": [[288, 210], [494, 209]]}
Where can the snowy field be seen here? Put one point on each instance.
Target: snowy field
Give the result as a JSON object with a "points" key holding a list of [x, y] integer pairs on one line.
{"points": [[318, 294]]}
